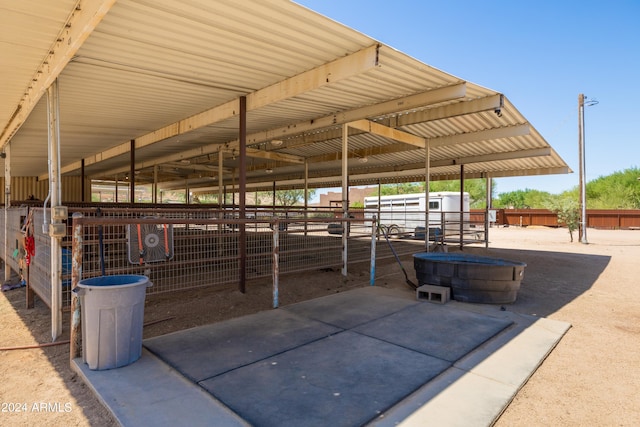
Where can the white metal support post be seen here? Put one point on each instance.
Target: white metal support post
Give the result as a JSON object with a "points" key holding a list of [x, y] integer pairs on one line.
{"points": [[489, 203], [582, 102], [7, 205], [582, 230], [53, 116]]}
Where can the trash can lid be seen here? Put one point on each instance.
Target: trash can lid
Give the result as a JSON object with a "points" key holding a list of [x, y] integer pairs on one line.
{"points": [[118, 280]]}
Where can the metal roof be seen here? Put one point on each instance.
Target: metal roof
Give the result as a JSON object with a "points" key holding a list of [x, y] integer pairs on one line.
{"points": [[167, 75]]}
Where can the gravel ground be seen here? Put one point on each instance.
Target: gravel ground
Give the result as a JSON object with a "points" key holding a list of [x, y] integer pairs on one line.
{"points": [[591, 378]]}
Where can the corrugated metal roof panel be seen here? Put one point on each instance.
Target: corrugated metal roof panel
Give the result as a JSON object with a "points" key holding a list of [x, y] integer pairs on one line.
{"points": [[24, 46], [150, 66]]}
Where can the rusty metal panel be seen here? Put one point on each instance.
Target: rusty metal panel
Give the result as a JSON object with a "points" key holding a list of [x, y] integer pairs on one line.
{"points": [[596, 218], [613, 218]]}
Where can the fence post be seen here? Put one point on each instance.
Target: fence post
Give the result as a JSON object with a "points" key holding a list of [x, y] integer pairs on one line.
{"points": [[76, 276], [374, 233], [276, 260]]}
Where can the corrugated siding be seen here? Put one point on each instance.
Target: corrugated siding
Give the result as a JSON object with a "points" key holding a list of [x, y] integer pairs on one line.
{"points": [[23, 187]]}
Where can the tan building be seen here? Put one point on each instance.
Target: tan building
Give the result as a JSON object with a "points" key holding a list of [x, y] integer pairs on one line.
{"points": [[334, 198]]}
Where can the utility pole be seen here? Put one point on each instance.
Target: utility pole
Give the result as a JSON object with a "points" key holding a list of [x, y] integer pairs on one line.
{"points": [[582, 229]]}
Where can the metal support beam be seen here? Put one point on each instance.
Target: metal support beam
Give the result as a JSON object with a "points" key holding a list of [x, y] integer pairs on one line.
{"points": [[387, 132], [435, 96], [275, 156], [461, 207], [242, 190], [154, 197], [132, 171], [494, 157], [306, 196], [489, 203], [427, 184], [82, 178], [582, 229], [489, 103], [55, 191], [345, 197], [483, 135], [7, 205]]}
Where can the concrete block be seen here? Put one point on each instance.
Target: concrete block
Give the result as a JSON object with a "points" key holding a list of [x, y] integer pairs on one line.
{"points": [[432, 293]]}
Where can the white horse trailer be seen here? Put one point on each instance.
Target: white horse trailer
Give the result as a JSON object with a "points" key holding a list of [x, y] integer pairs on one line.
{"points": [[406, 213]]}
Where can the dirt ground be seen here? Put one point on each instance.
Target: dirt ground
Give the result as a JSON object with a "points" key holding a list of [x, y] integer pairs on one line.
{"points": [[591, 378]]}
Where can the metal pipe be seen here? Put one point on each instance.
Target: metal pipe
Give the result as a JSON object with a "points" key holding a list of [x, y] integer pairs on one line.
{"points": [[132, 172], [306, 195], [461, 206], [7, 205], [82, 178], [372, 269], [276, 260], [489, 191], [345, 197], [427, 184], [242, 192]]}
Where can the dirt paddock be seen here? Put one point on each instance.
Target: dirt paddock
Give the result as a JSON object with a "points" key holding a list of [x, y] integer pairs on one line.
{"points": [[591, 378]]}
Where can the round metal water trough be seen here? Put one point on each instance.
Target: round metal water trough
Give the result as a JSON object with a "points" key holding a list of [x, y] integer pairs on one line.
{"points": [[472, 278]]}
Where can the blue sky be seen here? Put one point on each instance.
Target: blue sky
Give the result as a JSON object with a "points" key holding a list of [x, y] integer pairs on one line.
{"points": [[541, 54]]}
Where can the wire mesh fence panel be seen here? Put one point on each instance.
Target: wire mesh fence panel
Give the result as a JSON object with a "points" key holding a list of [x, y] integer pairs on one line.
{"points": [[307, 245], [181, 249], [40, 266], [15, 220], [172, 254]]}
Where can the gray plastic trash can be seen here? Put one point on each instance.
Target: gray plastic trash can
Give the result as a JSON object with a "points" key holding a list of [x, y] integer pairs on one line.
{"points": [[112, 319]]}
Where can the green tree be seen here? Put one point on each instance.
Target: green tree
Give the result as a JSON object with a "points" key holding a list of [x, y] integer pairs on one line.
{"points": [[568, 211], [523, 199], [620, 190], [286, 197], [401, 188]]}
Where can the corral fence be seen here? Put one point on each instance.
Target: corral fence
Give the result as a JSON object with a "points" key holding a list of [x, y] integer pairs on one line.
{"points": [[187, 247], [182, 248]]}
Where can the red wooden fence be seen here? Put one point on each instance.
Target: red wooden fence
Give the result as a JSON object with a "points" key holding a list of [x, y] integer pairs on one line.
{"points": [[611, 219]]}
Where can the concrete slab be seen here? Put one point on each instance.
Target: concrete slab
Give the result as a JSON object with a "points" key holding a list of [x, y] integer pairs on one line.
{"points": [[349, 309], [343, 380], [150, 393], [203, 352], [371, 356], [435, 330], [479, 387]]}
